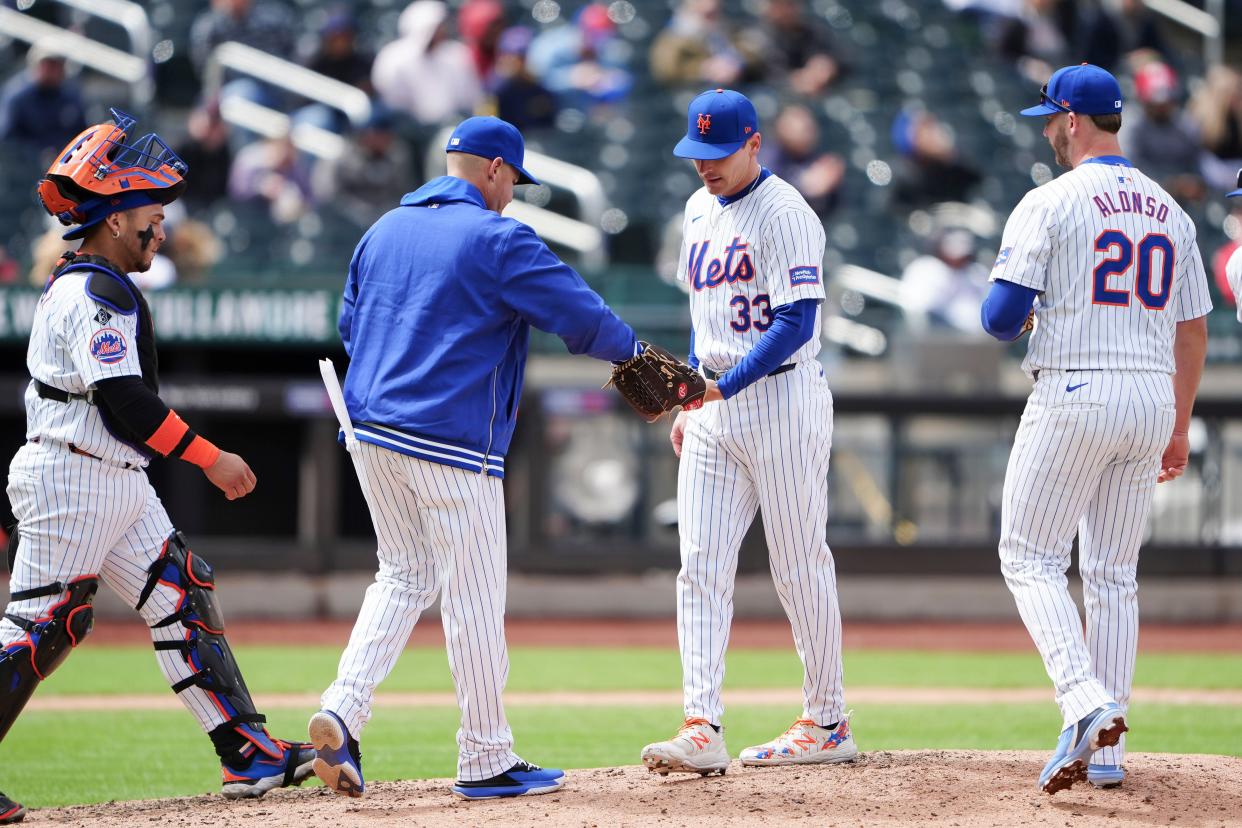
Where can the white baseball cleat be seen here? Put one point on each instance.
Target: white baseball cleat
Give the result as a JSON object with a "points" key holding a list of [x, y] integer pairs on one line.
{"points": [[697, 748], [805, 743]]}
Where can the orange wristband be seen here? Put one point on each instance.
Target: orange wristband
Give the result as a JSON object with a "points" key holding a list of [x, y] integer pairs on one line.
{"points": [[169, 434], [200, 452]]}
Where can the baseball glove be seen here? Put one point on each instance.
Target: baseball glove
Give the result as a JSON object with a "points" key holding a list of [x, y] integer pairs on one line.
{"points": [[1027, 326], [655, 382]]}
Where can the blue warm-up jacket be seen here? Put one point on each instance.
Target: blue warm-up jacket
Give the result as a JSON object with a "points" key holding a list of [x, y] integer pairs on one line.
{"points": [[440, 299]]}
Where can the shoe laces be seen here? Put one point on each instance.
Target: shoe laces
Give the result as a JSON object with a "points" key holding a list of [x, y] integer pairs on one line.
{"points": [[689, 724], [801, 723]]}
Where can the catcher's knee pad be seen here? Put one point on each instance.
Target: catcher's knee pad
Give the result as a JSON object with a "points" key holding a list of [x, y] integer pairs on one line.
{"points": [[46, 644], [202, 644]]}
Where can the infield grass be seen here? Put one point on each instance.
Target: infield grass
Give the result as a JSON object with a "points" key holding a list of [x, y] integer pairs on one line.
{"points": [[64, 758], [113, 670]]}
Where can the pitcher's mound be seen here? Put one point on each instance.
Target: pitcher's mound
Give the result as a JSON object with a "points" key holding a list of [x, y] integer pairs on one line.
{"points": [[916, 788]]}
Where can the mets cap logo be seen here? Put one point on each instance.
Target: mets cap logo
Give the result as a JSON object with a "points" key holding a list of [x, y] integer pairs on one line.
{"points": [[704, 123], [108, 346]]}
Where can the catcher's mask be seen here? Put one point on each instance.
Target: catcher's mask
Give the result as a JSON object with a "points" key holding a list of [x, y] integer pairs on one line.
{"points": [[98, 173]]}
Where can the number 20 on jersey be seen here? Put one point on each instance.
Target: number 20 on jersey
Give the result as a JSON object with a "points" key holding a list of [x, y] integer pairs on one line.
{"points": [[1154, 251]]}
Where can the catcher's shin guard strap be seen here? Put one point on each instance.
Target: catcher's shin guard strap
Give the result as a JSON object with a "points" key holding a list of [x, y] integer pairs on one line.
{"points": [[181, 569], [202, 645], [46, 644]]}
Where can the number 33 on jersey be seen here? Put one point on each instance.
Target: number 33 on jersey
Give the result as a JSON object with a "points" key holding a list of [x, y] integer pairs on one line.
{"points": [[741, 258]]}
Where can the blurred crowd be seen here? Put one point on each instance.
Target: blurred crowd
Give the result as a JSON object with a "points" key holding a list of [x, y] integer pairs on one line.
{"points": [[441, 62]]}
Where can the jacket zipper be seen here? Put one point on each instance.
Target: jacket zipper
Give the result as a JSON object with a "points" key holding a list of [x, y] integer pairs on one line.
{"points": [[491, 425]]}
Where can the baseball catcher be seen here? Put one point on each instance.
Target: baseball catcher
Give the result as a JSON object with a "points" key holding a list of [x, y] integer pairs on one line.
{"points": [[85, 510]]}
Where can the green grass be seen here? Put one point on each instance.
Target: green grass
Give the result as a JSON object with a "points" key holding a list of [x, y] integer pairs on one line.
{"points": [[139, 755], [106, 670]]}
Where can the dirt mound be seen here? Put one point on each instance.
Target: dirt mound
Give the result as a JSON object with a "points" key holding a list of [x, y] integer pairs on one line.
{"points": [[940, 788]]}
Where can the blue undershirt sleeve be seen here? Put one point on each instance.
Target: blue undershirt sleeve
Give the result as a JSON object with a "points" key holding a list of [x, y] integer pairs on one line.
{"points": [[550, 295], [1005, 309], [692, 360], [793, 325]]}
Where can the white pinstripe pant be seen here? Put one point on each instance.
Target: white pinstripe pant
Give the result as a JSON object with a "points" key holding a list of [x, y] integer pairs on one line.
{"points": [[767, 448], [439, 529], [1084, 460], [80, 516]]}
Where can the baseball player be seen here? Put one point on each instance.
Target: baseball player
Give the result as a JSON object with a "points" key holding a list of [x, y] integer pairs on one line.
{"points": [[439, 302], [94, 420], [1105, 266], [751, 256], [1233, 268]]}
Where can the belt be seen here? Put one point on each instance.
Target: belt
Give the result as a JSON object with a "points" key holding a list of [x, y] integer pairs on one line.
{"points": [[84, 453], [715, 375], [51, 392]]}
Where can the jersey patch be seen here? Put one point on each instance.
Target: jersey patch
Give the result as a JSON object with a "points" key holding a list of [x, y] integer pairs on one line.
{"points": [[1002, 257], [805, 275], [108, 346], [103, 317]]}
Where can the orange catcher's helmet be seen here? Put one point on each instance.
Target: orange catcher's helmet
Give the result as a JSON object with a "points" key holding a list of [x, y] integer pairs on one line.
{"points": [[98, 173]]}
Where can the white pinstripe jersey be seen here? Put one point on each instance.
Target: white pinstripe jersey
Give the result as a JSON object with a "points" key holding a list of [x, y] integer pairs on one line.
{"points": [[1233, 271], [744, 259], [1117, 266], [74, 343]]}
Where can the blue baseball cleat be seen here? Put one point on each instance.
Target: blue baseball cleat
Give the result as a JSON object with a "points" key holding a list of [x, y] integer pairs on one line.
{"points": [[1100, 728], [1106, 776], [523, 779], [338, 762], [290, 766]]}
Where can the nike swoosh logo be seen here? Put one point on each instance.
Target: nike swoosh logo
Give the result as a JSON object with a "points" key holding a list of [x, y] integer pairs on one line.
{"points": [[1075, 387], [696, 218]]}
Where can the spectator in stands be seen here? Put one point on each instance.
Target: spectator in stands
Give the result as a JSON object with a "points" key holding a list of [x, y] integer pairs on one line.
{"points": [[793, 153], [948, 285], [582, 62], [1036, 37], [1118, 27], [698, 48], [1161, 140], [480, 22], [425, 73], [266, 25], [1233, 227], [40, 109], [519, 98], [191, 247], [337, 54], [10, 272], [370, 177], [1217, 109], [271, 171], [930, 170], [207, 153], [800, 47]]}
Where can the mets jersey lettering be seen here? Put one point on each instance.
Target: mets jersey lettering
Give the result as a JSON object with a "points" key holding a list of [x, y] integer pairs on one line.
{"points": [[743, 260], [1117, 265]]}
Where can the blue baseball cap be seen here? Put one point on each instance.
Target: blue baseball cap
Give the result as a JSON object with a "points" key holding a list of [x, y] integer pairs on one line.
{"points": [[718, 123], [1237, 192], [489, 138], [1085, 89]]}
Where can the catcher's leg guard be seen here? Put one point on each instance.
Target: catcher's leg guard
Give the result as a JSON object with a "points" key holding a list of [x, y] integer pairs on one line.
{"points": [[46, 644], [205, 649]]}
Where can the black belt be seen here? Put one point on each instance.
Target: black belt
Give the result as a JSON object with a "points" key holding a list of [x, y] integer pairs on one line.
{"points": [[51, 392], [715, 375]]}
